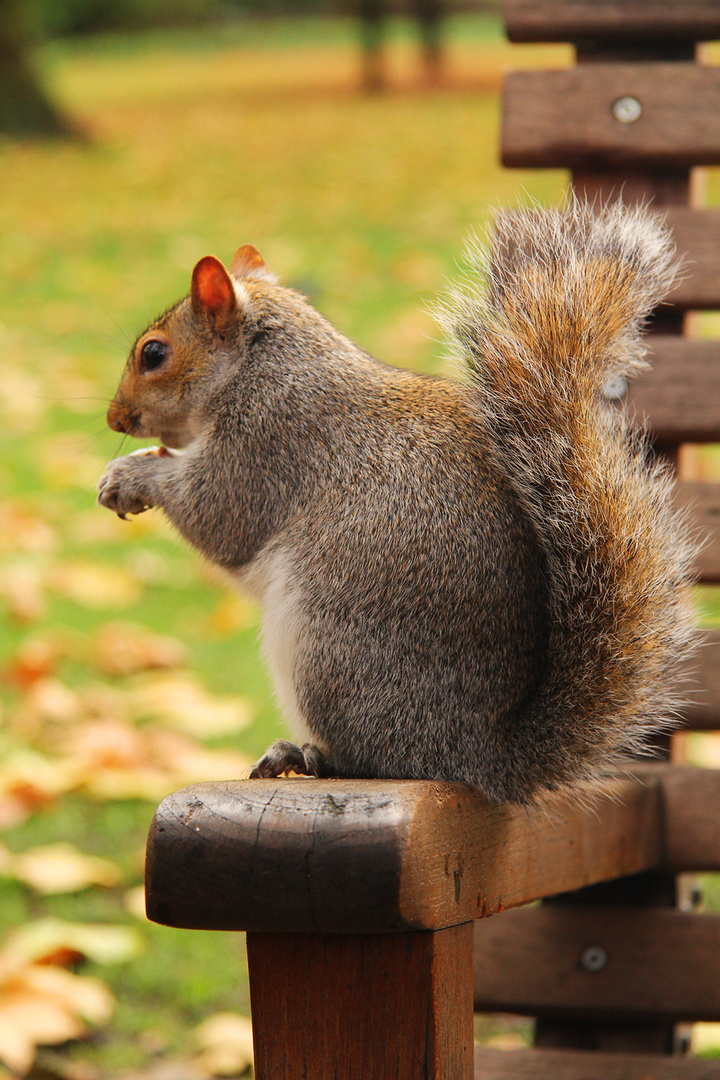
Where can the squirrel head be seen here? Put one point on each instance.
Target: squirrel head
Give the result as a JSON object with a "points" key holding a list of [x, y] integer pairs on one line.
{"points": [[172, 364]]}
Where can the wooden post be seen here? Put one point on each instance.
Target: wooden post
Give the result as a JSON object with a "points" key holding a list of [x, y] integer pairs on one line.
{"points": [[363, 1006]]}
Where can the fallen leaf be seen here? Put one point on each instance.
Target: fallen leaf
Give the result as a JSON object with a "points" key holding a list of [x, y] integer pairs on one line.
{"points": [[36, 658], [114, 760], [124, 648], [41, 1005], [61, 868], [234, 612], [86, 995], [134, 902], [226, 1044], [182, 702], [40, 941], [23, 529], [33, 779], [96, 585], [50, 699], [29, 1020], [22, 590]]}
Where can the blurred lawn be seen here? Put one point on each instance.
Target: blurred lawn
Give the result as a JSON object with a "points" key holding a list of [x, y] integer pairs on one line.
{"points": [[197, 142]]}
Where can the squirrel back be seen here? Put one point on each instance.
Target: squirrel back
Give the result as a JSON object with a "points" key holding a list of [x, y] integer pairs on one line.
{"points": [[480, 581]]}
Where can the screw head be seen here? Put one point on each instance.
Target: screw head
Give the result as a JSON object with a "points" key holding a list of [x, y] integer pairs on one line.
{"points": [[627, 109], [593, 958], [615, 388]]}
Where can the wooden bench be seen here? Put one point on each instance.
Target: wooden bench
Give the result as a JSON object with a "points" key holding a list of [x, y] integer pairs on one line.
{"points": [[364, 901]]}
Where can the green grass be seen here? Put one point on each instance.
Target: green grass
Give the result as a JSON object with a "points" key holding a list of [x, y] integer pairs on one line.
{"points": [[197, 142]]}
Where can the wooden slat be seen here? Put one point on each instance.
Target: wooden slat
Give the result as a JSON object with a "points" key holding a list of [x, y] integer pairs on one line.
{"points": [[578, 1065], [565, 118], [691, 798], [605, 963], [691, 813], [375, 856], [697, 235], [362, 1006], [612, 21], [702, 500], [702, 713], [680, 394]]}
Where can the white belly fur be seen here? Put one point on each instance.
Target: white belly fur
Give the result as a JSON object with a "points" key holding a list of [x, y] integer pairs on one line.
{"points": [[269, 580]]}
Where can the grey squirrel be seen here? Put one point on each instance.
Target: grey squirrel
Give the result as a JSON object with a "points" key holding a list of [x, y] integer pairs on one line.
{"points": [[480, 580]]}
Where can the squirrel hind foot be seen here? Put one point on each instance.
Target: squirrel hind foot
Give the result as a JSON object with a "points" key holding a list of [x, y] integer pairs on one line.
{"points": [[284, 757]]}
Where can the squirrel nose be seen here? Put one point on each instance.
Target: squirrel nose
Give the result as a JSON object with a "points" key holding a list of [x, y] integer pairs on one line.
{"points": [[118, 419]]}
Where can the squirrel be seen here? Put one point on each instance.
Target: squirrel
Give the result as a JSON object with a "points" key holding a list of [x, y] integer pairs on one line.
{"points": [[479, 579]]}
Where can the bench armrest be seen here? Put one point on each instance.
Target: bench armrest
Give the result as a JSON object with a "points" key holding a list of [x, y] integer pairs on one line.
{"points": [[377, 856]]}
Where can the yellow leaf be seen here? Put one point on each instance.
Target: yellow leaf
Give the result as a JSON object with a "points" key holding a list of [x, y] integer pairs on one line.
{"points": [[28, 1021], [61, 868], [34, 780], [86, 995], [194, 764], [234, 612], [123, 648], [182, 702], [41, 1005], [226, 1044], [96, 585], [43, 939], [21, 588], [134, 901], [50, 699], [112, 759], [22, 529]]}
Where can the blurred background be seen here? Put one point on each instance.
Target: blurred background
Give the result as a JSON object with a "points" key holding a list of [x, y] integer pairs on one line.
{"points": [[356, 152]]}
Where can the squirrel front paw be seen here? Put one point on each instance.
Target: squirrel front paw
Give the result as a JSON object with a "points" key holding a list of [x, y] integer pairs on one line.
{"points": [[284, 757], [125, 486]]}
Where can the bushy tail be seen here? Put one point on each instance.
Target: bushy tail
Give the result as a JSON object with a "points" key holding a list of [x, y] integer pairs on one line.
{"points": [[558, 319]]}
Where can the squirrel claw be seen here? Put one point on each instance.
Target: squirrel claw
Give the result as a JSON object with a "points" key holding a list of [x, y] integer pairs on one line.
{"points": [[284, 757]]}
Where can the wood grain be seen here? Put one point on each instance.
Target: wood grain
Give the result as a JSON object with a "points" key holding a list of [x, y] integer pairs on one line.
{"points": [[701, 498], [612, 21], [702, 713], [691, 797], [391, 1006], [574, 1065], [680, 394], [697, 235], [378, 856], [659, 964], [565, 119]]}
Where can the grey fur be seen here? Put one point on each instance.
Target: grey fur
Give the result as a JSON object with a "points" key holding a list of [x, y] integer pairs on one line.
{"points": [[481, 582]]}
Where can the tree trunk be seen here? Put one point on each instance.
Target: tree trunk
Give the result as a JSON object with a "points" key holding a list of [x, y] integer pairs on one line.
{"points": [[24, 107]]}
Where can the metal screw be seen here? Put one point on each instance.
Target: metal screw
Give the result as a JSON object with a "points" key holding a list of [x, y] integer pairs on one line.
{"points": [[615, 388], [627, 109], [593, 958]]}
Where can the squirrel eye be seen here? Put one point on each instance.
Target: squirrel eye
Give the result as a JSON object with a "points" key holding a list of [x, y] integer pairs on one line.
{"points": [[152, 355]]}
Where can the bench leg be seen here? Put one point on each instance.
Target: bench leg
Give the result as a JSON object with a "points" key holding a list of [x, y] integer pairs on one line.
{"points": [[362, 1006]]}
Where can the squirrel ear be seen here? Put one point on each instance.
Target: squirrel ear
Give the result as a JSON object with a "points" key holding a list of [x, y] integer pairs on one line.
{"points": [[248, 263], [212, 293]]}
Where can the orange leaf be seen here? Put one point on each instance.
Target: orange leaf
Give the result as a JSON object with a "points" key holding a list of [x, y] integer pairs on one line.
{"points": [[61, 868], [123, 648]]}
